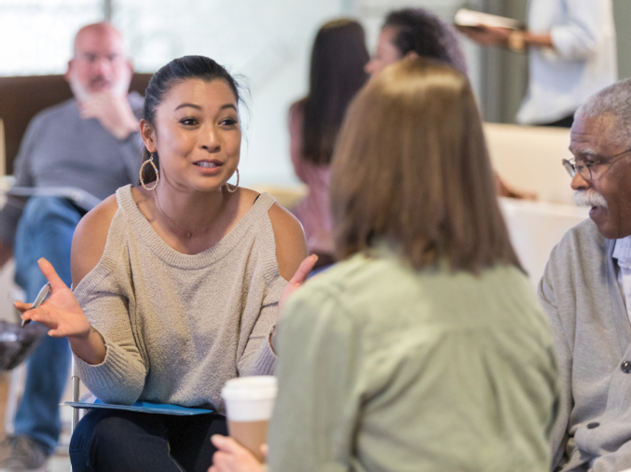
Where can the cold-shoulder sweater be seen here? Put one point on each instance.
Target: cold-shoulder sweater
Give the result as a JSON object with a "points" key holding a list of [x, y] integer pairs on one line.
{"points": [[176, 327]]}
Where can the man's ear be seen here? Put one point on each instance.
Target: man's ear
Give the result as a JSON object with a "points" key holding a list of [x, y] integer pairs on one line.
{"points": [[148, 135], [68, 71], [411, 54]]}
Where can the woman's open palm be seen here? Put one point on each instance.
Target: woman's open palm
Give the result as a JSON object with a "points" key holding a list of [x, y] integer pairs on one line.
{"points": [[61, 313]]}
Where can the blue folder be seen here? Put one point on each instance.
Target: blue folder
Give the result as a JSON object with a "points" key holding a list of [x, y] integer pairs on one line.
{"points": [[143, 407]]}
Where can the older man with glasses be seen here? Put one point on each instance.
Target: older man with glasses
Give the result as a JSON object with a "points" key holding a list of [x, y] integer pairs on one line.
{"points": [[90, 143], [586, 290]]}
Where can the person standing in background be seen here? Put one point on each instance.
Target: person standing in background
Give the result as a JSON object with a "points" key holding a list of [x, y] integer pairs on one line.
{"points": [[571, 48], [337, 72], [415, 32], [92, 143]]}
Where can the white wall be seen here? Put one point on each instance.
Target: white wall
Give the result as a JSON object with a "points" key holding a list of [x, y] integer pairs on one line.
{"points": [[267, 42]]}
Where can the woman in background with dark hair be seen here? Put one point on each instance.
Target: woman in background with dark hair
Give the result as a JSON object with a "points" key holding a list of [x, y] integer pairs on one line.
{"points": [[415, 32], [177, 281], [424, 348], [337, 72]]}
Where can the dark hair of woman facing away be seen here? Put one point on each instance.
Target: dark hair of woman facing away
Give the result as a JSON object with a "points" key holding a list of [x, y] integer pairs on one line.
{"points": [[411, 167], [427, 35], [337, 72], [178, 70]]}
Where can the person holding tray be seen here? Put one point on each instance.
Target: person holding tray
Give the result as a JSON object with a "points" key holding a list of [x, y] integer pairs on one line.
{"points": [[571, 49], [176, 281]]}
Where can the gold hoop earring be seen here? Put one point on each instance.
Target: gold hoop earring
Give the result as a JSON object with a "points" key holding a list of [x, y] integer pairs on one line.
{"points": [[155, 169], [235, 186]]}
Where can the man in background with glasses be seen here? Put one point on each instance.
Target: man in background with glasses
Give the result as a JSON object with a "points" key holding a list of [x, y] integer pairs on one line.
{"points": [[90, 143], [586, 290]]}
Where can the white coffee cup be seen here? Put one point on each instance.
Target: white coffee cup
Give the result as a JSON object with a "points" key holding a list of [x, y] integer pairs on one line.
{"points": [[249, 405]]}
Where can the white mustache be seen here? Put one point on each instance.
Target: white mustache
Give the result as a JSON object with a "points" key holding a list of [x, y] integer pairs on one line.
{"points": [[589, 198]]}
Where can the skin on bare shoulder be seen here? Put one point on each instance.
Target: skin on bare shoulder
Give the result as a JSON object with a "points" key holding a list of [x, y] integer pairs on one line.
{"points": [[88, 242], [291, 245]]}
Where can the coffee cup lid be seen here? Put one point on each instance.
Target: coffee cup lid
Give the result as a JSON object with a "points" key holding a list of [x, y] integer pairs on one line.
{"points": [[250, 388]]}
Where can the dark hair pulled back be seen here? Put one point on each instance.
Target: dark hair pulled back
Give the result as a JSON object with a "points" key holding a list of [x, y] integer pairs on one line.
{"points": [[178, 70], [337, 72], [427, 35]]}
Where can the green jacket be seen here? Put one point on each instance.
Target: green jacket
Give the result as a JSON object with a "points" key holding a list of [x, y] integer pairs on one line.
{"points": [[383, 368]]}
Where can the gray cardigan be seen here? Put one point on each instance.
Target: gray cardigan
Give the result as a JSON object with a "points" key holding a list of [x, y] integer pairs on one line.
{"points": [[580, 292]]}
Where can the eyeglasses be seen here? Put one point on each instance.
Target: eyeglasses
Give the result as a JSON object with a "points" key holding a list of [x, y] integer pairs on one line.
{"points": [[92, 58], [591, 170]]}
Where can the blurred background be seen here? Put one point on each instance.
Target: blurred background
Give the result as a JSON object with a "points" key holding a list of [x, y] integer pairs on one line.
{"points": [[266, 42]]}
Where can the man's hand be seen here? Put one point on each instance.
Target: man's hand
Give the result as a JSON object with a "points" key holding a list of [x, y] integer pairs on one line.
{"points": [[5, 253], [232, 457], [487, 35], [114, 113]]}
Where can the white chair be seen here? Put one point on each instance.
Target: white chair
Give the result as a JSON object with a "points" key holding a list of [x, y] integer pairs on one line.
{"points": [[535, 228], [529, 158]]}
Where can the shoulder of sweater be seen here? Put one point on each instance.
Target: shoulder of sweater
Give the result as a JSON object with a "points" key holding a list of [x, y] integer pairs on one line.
{"points": [[289, 237], [579, 255], [582, 241], [90, 238]]}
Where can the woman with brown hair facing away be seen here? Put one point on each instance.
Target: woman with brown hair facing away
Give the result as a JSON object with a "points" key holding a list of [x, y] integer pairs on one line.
{"points": [[337, 72], [425, 348]]}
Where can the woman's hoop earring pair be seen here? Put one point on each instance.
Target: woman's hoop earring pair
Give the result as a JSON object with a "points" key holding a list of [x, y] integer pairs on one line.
{"points": [[235, 186], [155, 169]]}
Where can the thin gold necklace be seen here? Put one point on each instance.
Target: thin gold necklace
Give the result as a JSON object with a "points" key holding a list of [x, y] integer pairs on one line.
{"points": [[189, 234]]}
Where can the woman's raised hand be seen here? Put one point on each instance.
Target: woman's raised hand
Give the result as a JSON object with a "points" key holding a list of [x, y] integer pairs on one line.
{"points": [[61, 313], [297, 280]]}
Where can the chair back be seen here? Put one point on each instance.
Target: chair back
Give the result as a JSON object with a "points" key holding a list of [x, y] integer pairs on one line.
{"points": [[2, 151], [21, 98], [529, 158]]}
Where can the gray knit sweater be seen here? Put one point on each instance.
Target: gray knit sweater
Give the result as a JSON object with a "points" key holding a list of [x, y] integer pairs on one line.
{"points": [[177, 326], [580, 292]]}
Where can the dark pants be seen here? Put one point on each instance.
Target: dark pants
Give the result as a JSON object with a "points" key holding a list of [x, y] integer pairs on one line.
{"points": [[114, 440]]}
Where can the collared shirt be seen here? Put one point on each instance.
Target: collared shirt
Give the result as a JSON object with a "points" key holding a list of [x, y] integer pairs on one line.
{"points": [[622, 255], [582, 62]]}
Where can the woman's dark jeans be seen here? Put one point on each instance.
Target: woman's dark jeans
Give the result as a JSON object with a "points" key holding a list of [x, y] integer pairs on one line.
{"points": [[117, 441]]}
